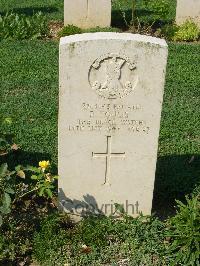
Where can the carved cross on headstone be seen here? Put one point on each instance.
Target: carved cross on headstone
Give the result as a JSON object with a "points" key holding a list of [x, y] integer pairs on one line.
{"points": [[108, 155]]}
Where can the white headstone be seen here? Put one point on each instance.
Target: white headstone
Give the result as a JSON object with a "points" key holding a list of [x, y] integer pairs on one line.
{"points": [[111, 93], [87, 13], [188, 10]]}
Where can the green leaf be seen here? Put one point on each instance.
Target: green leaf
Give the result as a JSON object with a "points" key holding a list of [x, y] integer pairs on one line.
{"points": [[18, 168], [49, 193], [41, 176], [8, 120], [34, 177], [3, 169], [9, 190], [3, 141], [41, 191], [7, 200], [12, 173], [32, 169]]}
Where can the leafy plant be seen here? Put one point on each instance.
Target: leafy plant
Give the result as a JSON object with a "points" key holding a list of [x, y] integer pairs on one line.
{"points": [[160, 8], [19, 27], [169, 31], [41, 181], [69, 30], [184, 231], [188, 31], [196, 191]]}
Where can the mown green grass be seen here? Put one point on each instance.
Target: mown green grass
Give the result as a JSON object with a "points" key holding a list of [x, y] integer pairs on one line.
{"points": [[54, 9], [29, 95], [29, 90]]}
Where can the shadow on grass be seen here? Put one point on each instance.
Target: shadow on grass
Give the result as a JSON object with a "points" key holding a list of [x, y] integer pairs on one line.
{"points": [[29, 11], [24, 158], [176, 176], [144, 16]]}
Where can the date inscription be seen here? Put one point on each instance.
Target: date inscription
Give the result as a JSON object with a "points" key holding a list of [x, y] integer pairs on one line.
{"points": [[110, 118]]}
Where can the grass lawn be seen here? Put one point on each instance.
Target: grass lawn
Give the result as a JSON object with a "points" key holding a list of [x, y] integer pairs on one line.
{"points": [[29, 95], [53, 9]]}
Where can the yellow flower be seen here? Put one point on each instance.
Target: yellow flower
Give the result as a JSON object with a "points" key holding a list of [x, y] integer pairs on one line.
{"points": [[44, 164]]}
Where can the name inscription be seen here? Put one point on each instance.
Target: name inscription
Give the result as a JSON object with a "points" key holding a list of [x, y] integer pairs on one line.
{"points": [[110, 118]]}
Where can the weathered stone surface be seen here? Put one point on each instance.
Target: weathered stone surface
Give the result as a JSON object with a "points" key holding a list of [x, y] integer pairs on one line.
{"points": [[87, 13], [188, 10], [111, 93]]}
